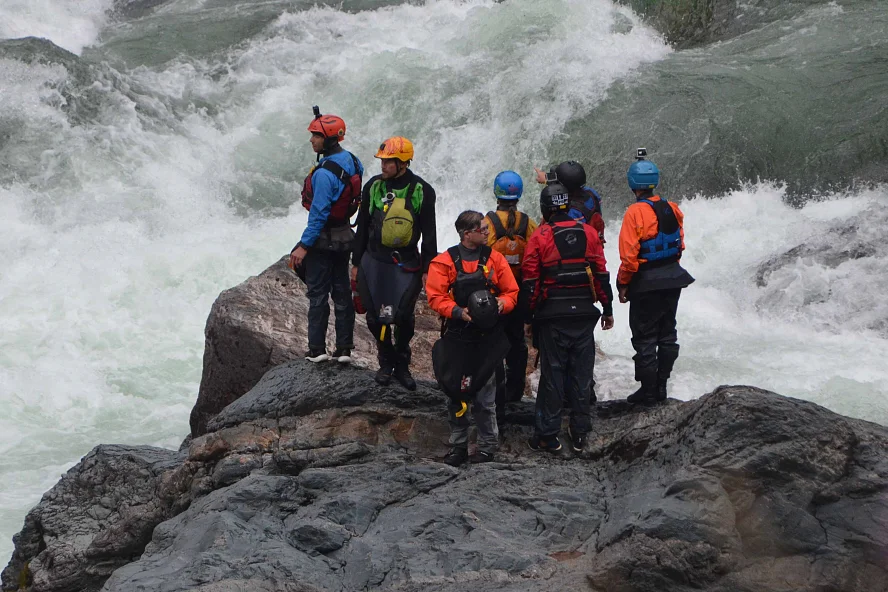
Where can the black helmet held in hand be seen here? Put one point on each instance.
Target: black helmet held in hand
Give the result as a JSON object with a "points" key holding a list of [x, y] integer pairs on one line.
{"points": [[483, 309], [553, 198], [571, 174]]}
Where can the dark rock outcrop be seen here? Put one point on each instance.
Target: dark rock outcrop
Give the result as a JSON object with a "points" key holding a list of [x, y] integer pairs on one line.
{"points": [[260, 323], [97, 518], [319, 479]]}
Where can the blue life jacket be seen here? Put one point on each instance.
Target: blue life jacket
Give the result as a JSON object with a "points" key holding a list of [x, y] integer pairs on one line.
{"points": [[582, 211], [666, 246]]}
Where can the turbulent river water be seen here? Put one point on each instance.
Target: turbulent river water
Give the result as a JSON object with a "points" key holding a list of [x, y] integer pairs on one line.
{"points": [[151, 155]]}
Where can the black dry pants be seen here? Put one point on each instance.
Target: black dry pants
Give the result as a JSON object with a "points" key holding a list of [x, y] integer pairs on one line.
{"points": [[326, 275], [511, 376], [654, 337], [567, 360], [394, 350]]}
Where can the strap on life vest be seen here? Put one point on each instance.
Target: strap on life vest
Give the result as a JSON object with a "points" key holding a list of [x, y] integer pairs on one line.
{"points": [[567, 270], [482, 265], [408, 199], [338, 171], [501, 231]]}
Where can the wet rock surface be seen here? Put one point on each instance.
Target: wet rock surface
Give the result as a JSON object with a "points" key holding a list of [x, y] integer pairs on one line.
{"points": [[319, 479]]}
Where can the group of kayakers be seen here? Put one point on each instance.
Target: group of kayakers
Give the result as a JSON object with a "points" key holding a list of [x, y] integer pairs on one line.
{"points": [[508, 281]]}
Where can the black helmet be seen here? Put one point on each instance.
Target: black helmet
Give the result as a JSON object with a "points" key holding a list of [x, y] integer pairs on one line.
{"points": [[553, 197], [571, 174], [484, 309]]}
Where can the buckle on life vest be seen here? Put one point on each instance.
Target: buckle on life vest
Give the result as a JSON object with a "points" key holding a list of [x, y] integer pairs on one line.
{"points": [[387, 201]]}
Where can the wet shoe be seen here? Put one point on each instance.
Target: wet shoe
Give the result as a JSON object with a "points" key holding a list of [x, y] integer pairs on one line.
{"points": [[456, 457], [481, 457], [316, 355], [342, 355], [403, 376], [384, 375], [577, 441], [545, 444]]}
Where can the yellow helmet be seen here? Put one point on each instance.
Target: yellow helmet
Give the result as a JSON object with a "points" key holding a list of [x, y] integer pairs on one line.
{"points": [[397, 147]]}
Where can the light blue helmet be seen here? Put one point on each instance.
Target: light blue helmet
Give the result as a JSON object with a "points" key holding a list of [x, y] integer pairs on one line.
{"points": [[508, 185], [643, 174]]}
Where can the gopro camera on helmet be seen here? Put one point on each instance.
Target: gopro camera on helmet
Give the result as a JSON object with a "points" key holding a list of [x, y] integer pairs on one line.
{"points": [[641, 153], [317, 111], [551, 176]]}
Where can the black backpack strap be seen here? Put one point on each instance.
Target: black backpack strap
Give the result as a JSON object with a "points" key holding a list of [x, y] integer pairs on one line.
{"points": [[498, 227], [337, 170], [482, 261], [522, 226], [484, 255], [357, 165], [408, 199], [457, 260]]}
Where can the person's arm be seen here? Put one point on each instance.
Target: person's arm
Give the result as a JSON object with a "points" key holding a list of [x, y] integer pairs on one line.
{"points": [[325, 188], [679, 217], [504, 280], [362, 233], [530, 274], [438, 285], [597, 222], [600, 275], [428, 227], [630, 244]]}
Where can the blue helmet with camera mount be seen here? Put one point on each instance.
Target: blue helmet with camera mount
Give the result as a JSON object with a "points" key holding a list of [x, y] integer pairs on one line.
{"points": [[643, 174], [508, 185]]}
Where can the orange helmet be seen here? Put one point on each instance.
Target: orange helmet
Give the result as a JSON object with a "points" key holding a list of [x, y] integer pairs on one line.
{"points": [[397, 147], [330, 126]]}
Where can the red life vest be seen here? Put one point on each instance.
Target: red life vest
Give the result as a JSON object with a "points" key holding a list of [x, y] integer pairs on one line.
{"points": [[348, 202], [568, 289]]}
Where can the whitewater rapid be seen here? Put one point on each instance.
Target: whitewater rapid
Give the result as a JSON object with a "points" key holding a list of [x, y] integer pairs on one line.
{"points": [[117, 234]]}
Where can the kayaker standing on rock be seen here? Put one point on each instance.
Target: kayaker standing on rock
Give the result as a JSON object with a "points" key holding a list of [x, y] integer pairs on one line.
{"points": [[470, 285], [651, 278], [397, 210], [508, 232], [564, 273], [331, 193]]}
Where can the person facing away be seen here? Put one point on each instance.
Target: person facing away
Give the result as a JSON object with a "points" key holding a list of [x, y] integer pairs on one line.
{"points": [[585, 205], [651, 279], [331, 194], [564, 273], [470, 286], [397, 210], [585, 202], [508, 232]]}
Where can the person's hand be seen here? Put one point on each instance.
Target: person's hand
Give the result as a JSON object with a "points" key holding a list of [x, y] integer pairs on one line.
{"points": [[297, 256], [500, 305], [466, 316], [607, 323], [541, 176], [624, 294], [354, 273]]}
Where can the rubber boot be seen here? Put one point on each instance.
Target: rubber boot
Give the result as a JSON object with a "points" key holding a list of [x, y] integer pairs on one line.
{"points": [[647, 393], [661, 390]]}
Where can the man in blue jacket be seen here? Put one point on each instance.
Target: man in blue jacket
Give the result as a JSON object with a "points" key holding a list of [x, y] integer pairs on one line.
{"points": [[332, 194]]}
